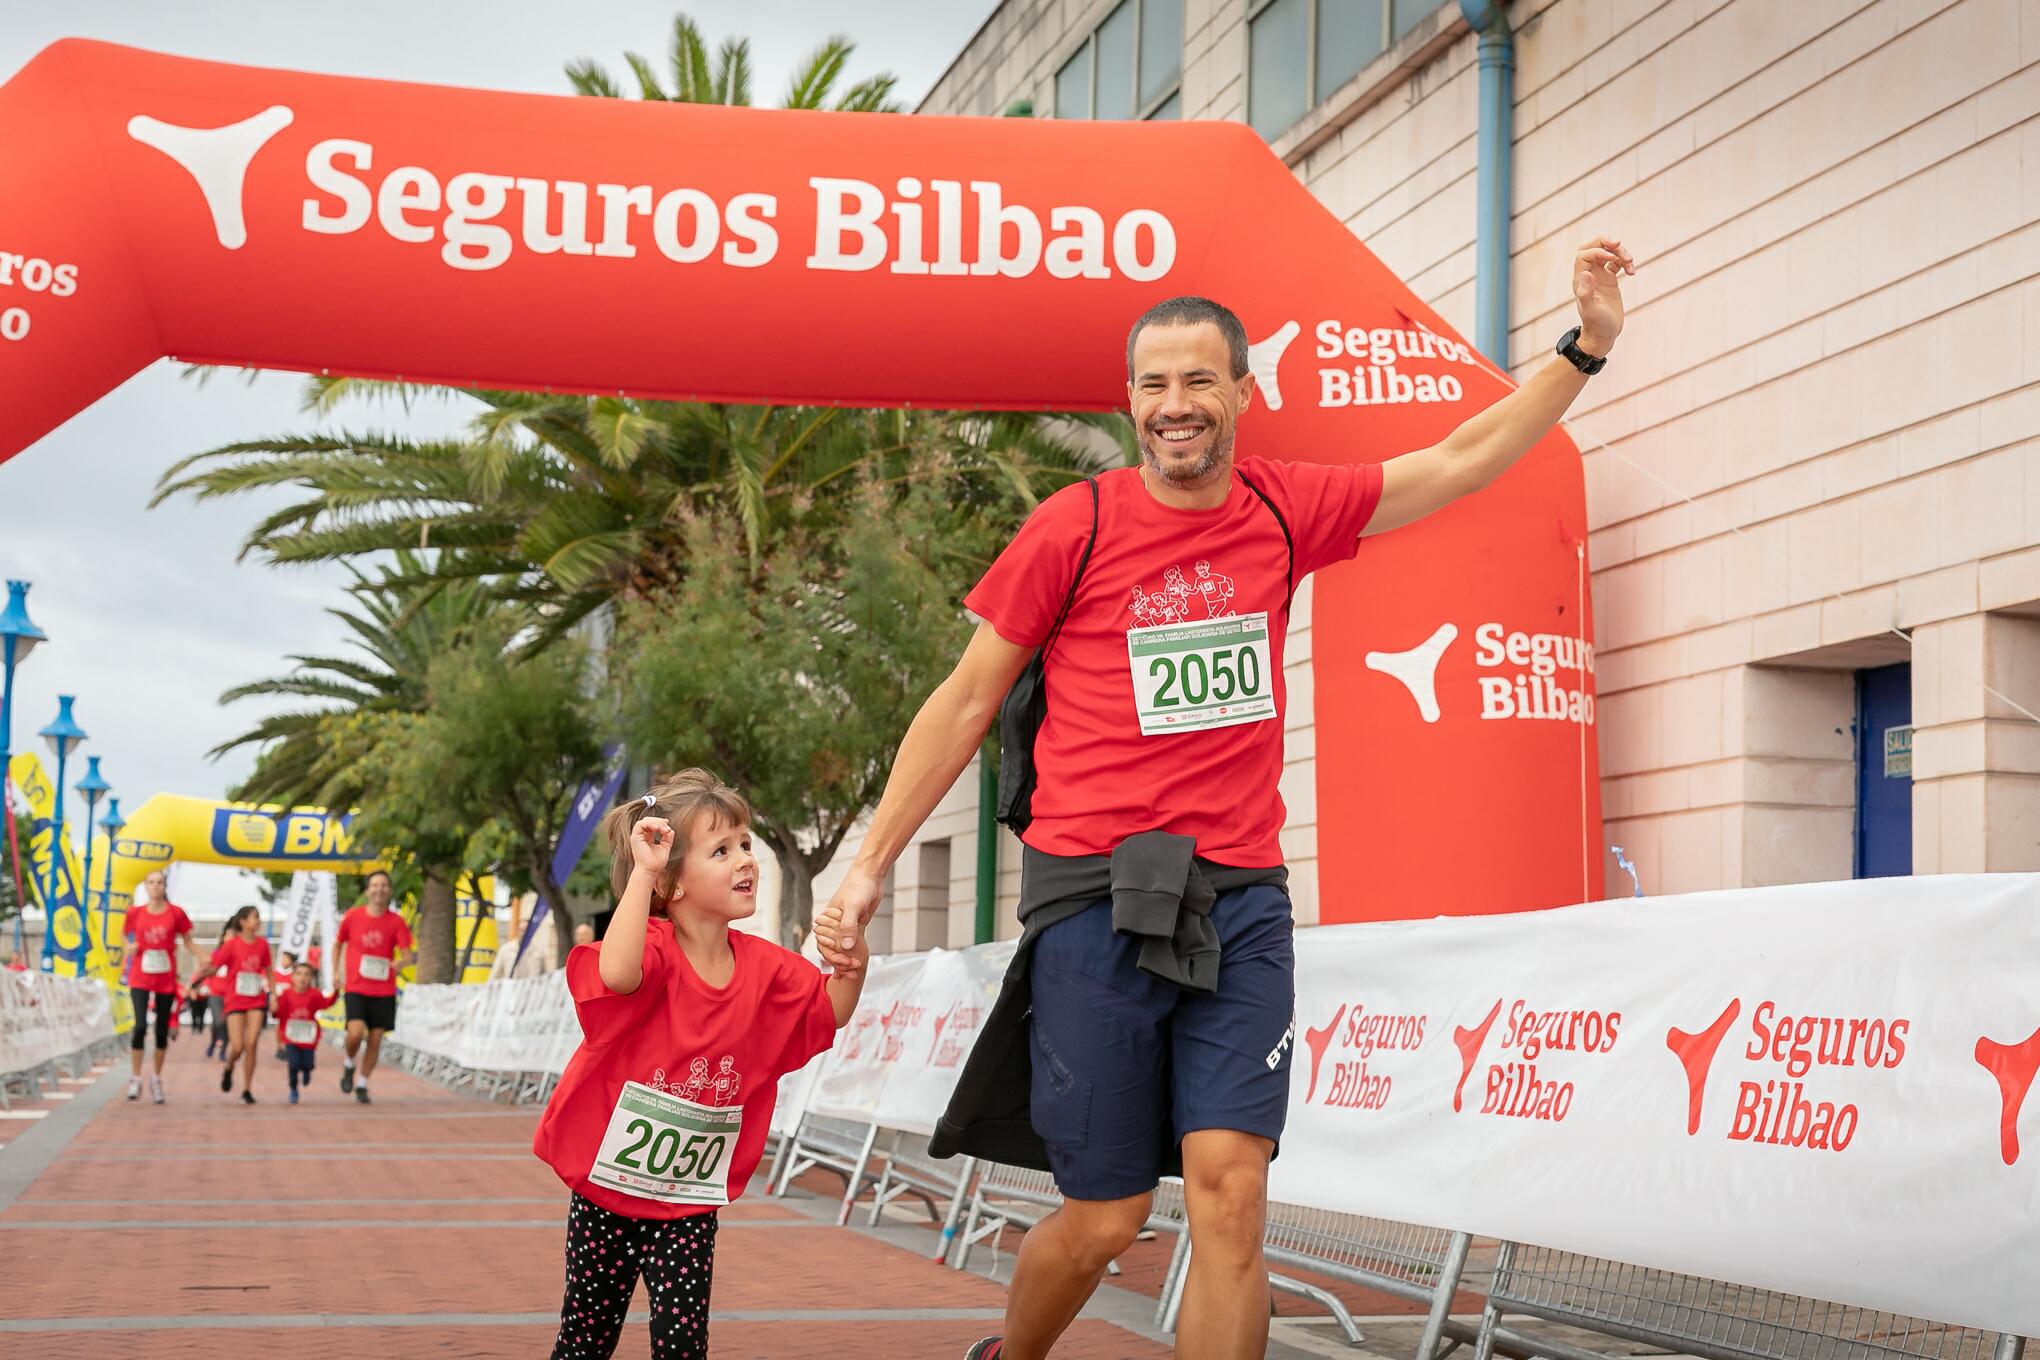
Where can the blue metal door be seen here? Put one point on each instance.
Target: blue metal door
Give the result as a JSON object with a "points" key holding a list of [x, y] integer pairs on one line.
{"points": [[1884, 771]]}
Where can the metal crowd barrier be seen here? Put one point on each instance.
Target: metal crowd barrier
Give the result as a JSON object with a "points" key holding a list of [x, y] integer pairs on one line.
{"points": [[1706, 1318], [843, 1146], [1011, 1196], [907, 1169], [30, 1081]]}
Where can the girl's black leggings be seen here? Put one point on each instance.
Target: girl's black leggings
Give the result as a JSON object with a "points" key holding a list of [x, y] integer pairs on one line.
{"points": [[605, 1255], [165, 1002]]}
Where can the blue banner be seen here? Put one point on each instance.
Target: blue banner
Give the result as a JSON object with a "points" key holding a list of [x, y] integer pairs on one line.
{"points": [[590, 802]]}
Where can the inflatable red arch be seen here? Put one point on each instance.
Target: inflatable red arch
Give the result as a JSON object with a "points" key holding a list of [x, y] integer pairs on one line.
{"points": [[154, 205]]}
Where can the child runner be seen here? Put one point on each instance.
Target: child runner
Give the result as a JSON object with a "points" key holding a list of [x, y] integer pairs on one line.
{"points": [[244, 955], [156, 928], [279, 983], [297, 1015], [671, 985]]}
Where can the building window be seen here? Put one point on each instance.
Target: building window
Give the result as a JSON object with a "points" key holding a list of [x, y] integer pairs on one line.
{"points": [[1300, 51], [1130, 66]]}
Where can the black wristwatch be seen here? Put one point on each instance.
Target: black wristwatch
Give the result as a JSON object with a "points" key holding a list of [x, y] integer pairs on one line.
{"points": [[1569, 349]]}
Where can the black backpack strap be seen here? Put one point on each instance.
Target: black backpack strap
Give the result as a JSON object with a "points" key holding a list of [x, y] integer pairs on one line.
{"points": [[1287, 542], [1082, 562]]}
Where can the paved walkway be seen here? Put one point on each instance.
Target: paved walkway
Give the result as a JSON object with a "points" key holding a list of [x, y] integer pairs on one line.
{"points": [[421, 1224]]}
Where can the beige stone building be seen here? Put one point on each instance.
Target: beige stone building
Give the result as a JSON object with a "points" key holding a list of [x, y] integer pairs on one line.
{"points": [[1833, 350]]}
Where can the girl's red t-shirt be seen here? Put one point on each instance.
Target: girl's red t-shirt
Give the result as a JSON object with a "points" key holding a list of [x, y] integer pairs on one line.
{"points": [[721, 1047], [153, 932], [241, 957]]}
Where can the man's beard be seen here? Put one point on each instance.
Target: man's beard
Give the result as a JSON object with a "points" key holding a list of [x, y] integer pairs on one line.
{"points": [[1216, 456]]}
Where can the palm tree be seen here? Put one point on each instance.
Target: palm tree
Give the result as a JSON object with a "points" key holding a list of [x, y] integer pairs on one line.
{"points": [[564, 503], [402, 621], [727, 80]]}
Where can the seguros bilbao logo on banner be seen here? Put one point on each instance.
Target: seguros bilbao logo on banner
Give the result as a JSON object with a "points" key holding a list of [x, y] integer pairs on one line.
{"points": [[1536, 677], [1378, 378], [953, 1030], [1357, 1041], [1516, 1086], [1793, 1108], [479, 219]]}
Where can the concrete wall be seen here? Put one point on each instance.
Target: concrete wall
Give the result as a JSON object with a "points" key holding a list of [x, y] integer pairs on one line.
{"points": [[1822, 422]]}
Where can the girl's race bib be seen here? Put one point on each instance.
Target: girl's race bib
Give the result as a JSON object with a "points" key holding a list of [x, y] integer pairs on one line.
{"points": [[250, 984], [155, 960], [375, 968], [301, 1031], [662, 1147]]}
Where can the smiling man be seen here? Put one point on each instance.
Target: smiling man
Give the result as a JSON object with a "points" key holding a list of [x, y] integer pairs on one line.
{"points": [[1153, 852]]}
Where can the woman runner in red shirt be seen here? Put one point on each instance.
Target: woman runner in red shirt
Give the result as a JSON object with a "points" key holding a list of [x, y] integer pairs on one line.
{"points": [[672, 986], [245, 956], [157, 928]]}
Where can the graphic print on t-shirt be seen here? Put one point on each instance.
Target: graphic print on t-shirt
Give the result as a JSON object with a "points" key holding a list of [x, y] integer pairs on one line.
{"points": [[1206, 595]]}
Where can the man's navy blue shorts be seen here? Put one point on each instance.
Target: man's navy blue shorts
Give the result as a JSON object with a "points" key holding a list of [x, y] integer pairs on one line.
{"points": [[1125, 1064]]}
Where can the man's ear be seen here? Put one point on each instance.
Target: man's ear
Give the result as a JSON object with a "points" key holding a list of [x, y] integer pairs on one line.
{"points": [[1247, 390]]}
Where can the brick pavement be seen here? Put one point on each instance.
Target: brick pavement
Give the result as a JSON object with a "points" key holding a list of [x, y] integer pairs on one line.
{"points": [[417, 1226]]}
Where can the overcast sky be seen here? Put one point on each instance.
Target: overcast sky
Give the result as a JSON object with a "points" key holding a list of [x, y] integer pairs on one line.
{"points": [[149, 614]]}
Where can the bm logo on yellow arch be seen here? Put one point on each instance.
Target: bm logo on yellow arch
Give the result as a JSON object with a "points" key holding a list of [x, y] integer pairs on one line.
{"points": [[298, 835]]}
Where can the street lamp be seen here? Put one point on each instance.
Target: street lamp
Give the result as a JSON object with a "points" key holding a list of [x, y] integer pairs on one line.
{"points": [[112, 822], [18, 637], [63, 736], [91, 788]]}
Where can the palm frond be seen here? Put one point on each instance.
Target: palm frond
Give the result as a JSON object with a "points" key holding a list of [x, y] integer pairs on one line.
{"points": [[733, 72], [587, 77], [692, 82], [871, 96], [818, 75], [648, 84]]}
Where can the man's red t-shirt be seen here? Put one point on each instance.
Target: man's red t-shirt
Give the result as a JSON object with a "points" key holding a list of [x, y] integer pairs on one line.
{"points": [[1100, 779], [294, 1005], [719, 1047], [244, 959], [366, 936], [154, 934]]}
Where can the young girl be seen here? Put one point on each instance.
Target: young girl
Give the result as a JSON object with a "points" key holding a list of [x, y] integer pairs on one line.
{"points": [[297, 1018], [157, 929], [671, 987], [244, 955]]}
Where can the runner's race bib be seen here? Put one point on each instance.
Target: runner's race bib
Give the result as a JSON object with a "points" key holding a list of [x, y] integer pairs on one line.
{"points": [[155, 960], [1189, 677], [661, 1147], [301, 1031], [375, 968], [250, 984]]}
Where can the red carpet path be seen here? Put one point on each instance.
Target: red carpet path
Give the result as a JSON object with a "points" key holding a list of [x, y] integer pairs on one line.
{"points": [[418, 1226]]}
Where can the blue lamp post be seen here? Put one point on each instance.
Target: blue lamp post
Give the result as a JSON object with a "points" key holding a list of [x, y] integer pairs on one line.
{"points": [[91, 788], [18, 637], [63, 736], [112, 822]]}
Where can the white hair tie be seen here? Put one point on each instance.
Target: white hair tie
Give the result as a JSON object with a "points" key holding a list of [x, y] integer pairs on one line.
{"points": [[650, 802]]}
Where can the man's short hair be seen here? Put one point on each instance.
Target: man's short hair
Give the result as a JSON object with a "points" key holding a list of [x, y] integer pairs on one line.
{"points": [[374, 874], [1194, 311]]}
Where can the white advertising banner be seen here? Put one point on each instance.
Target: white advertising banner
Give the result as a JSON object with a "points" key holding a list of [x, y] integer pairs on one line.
{"points": [[867, 1049], [929, 1033], [1813, 1089], [308, 906], [44, 1017]]}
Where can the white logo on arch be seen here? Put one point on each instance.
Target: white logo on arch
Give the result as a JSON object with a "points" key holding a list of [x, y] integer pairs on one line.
{"points": [[1265, 359], [217, 159], [1417, 668]]}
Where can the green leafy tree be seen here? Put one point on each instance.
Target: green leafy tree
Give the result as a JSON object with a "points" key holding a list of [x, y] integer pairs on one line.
{"points": [[794, 678], [496, 754]]}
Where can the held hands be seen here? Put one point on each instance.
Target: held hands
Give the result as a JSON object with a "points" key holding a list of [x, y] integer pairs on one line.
{"points": [[1597, 288], [839, 927], [651, 844]]}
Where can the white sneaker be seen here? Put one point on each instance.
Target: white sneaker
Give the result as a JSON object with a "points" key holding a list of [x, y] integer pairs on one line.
{"points": [[156, 1089], [134, 1088]]}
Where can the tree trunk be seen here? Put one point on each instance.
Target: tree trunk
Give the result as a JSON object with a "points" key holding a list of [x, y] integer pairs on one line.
{"points": [[796, 899], [556, 907], [435, 926]]}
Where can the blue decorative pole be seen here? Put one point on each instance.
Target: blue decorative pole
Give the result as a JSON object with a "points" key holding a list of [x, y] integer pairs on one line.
{"points": [[63, 736], [18, 637], [91, 788], [113, 822]]}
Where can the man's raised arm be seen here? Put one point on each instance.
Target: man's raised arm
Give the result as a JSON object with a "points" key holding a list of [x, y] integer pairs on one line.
{"points": [[937, 746]]}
